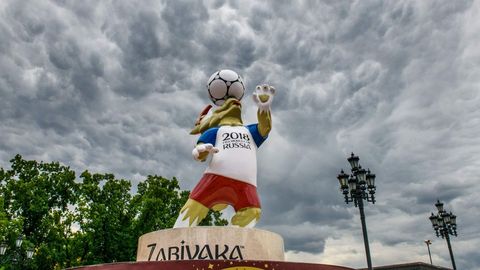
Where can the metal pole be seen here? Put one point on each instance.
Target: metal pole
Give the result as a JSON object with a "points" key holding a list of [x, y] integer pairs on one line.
{"points": [[364, 230], [450, 250], [429, 254]]}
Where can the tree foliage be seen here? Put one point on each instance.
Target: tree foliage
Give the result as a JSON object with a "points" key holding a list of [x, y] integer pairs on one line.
{"points": [[72, 221]]}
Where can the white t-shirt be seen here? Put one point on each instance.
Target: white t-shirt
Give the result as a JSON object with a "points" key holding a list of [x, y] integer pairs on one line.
{"points": [[237, 155]]}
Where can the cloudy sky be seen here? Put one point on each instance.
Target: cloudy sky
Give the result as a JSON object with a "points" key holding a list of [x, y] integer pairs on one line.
{"points": [[115, 86]]}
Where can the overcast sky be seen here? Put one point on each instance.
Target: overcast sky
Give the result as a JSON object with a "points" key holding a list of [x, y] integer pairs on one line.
{"points": [[115, 86]]}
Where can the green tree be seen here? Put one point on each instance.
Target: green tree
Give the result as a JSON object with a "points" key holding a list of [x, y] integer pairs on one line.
{"points": [[37, 196], [93, 219], [157, 204], [9, 230], [105, 219], [213, 218]]}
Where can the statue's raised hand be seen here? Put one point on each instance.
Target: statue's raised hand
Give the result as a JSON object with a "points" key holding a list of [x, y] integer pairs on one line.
{"points": [[263, 96]]}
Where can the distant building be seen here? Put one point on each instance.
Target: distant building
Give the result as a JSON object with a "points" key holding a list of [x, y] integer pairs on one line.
{"points": [[409, 266]]}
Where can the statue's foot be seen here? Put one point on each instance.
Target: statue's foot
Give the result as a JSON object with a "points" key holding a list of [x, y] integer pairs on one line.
{"points": [[219, 207], [191, 214], [245, 216]]}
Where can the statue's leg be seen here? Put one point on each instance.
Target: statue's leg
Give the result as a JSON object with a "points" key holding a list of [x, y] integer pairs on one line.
{"points": [[196, 207], [192, 214], [219, 207], [245, 216]]}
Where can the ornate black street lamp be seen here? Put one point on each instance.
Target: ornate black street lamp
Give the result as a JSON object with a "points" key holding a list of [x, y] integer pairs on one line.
{"points": [[444, 224], [16, 258], [18, 244], [356, 187]]}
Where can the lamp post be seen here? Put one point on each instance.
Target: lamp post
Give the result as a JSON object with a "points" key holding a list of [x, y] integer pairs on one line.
{"points": [[18, 245], [3, 249], [16, 258], [444, 224], [356, 187], [429, 242]]}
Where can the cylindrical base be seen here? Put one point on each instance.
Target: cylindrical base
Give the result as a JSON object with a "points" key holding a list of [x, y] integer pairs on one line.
{"points": [[213, 265], [210, 243]]}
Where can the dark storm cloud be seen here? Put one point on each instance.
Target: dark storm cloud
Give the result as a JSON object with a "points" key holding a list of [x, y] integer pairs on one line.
{"points": [[447, 192], [115, 87], [303, 241]]}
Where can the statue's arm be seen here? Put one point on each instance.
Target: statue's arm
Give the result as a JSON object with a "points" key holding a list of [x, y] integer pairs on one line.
{"points": [[201, 150], [205, 145], [264, 122], [263, 97]]}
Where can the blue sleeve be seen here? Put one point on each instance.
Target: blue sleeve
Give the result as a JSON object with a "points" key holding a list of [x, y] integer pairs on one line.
{"points": [[209, 136], [259, 139]]}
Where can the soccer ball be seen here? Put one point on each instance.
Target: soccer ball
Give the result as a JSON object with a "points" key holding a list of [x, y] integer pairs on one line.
{"points": [[225, 84]]}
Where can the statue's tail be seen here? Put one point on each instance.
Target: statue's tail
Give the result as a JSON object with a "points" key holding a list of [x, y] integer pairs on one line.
{"points": [[202, 114]]}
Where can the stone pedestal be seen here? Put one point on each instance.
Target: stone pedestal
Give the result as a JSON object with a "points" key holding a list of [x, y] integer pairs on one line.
{"points": [[211, 248], [210, 243], [212, 265]]}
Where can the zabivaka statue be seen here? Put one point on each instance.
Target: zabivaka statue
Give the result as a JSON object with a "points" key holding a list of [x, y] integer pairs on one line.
{"points": [[231, 174]]}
